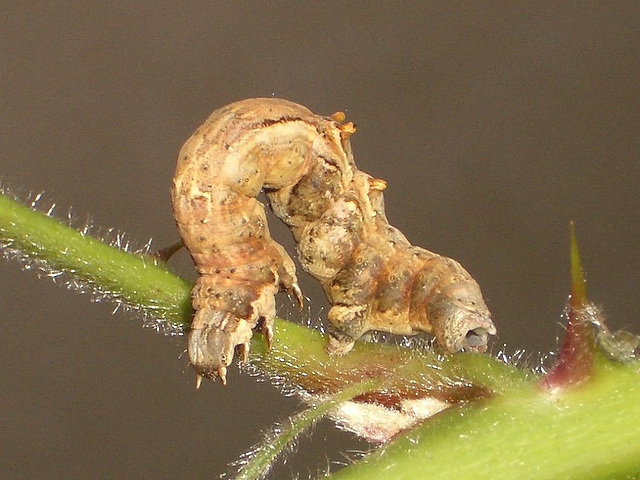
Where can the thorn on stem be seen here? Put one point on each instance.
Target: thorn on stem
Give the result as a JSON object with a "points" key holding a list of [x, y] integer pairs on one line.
{"points": [[575, 360], [164, 254]]}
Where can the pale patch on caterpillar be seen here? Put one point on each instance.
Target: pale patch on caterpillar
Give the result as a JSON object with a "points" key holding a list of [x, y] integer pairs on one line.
{"points": [[373, 277]]}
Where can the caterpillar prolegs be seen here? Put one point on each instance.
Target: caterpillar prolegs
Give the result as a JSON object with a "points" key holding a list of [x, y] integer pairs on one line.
{"points": [[373, 277]]}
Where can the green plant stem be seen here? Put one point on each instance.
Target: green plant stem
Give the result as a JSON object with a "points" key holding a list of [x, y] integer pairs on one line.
{"points": [[298, 351], [137, 280], [592, 432]]}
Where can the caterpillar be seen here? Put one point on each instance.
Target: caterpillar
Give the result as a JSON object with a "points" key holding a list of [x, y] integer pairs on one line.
{"points": [[373, 277]]}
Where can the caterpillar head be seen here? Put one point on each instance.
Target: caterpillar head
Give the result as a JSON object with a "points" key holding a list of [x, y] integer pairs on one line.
{"points": [[460, 319]]}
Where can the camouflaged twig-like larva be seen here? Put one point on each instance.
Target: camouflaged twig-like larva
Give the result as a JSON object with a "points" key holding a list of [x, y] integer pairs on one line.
{"points": [[374, 278]]}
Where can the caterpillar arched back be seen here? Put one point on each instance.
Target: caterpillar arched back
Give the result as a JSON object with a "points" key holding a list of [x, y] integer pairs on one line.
{"points": [[373, 277]]}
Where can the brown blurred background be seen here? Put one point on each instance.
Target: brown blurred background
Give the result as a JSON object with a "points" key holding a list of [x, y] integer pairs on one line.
{"points": [[493, 123]]}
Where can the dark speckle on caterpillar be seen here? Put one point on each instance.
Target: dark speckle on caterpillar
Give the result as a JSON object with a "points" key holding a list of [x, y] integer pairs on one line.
{"points": [[373, 277]]}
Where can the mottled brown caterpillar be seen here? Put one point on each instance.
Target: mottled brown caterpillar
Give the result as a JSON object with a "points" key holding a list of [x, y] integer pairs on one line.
{"points": [[373, 277]]}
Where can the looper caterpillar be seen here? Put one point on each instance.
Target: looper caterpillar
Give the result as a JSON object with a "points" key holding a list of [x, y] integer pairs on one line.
{"points": [[373, 277]]}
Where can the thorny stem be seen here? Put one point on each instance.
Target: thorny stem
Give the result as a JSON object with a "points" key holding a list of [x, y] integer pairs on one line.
{"points": [[590, 432], [593, 432]]}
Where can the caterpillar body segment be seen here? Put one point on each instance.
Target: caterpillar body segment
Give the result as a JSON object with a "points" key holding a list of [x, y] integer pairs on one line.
{"points": [[373, 277]]}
